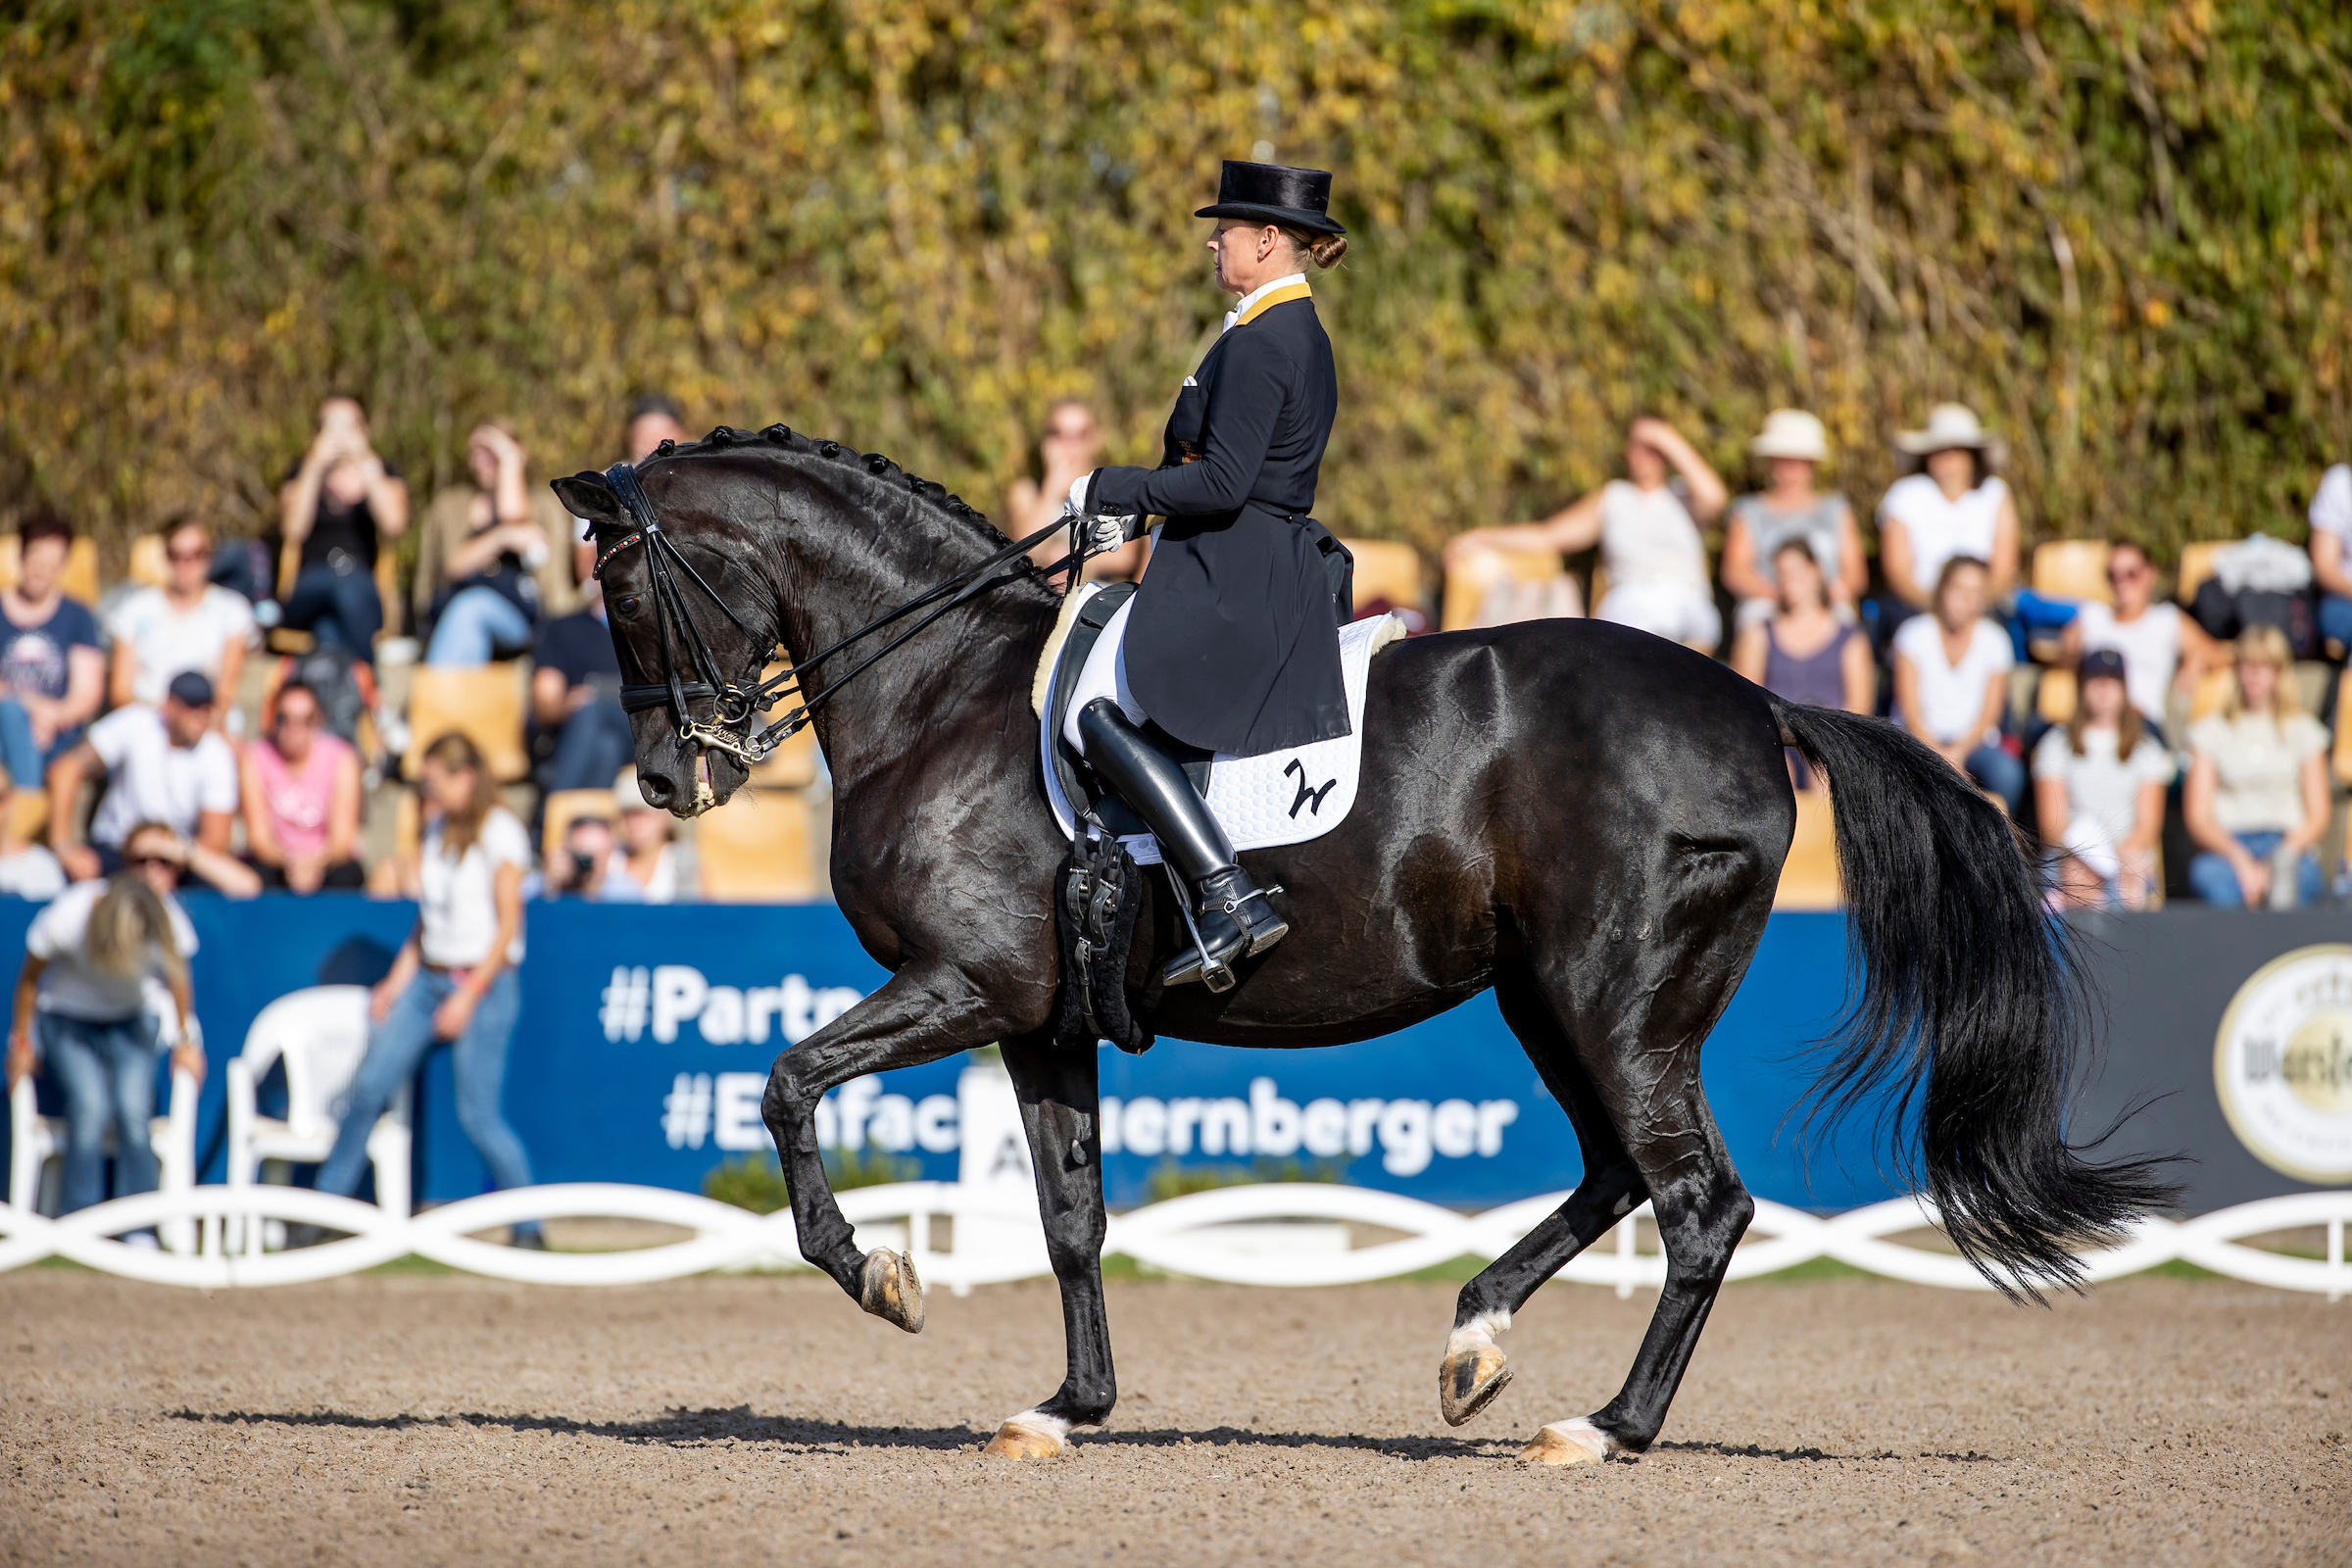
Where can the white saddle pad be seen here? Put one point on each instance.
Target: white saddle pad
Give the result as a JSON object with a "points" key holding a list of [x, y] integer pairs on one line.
{"points": [[1284, 797]]}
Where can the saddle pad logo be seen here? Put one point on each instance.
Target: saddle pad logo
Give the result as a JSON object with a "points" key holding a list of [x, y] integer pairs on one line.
{"points": [[2283, 1065], [1308, 795]]}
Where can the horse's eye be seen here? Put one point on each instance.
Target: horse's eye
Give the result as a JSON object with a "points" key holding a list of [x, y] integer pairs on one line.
{"points": [[626, 605]]}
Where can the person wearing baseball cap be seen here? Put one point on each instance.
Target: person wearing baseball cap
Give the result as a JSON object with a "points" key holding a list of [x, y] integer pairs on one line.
{"points": [[163, 764], [1791, 446], [2099, 790]]}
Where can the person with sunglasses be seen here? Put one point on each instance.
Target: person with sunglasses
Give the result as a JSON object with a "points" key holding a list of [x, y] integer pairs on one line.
{"points": [[301, 792], [189, 623], [2162, 648], [163, 764], [83, 1012]]}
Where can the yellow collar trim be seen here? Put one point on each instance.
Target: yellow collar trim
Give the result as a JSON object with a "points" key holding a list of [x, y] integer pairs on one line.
{"points": [[1265, 302]]}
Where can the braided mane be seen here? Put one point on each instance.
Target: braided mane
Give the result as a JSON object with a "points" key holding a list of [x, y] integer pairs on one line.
{"points": [[873, 465]]}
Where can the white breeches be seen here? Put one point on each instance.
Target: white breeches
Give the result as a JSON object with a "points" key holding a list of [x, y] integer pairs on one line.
{"points": [[1105, 675], [1676, 611]]}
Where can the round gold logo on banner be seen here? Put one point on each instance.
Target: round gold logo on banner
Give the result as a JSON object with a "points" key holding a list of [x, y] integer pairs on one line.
{"points": [[2283, 1065]]}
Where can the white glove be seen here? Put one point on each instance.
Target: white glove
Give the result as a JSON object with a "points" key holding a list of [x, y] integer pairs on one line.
{"points": [[1091, 535]]}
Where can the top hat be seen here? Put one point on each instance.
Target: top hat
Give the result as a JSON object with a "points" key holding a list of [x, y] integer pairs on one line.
{"points": [[1271, 193]]}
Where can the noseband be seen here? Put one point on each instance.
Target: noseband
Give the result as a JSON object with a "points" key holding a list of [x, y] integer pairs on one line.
{"points": [[737, 702]]}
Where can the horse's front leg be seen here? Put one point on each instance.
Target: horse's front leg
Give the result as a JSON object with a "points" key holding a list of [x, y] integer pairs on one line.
{"points": [[1058, 1110], [919, 1016]]}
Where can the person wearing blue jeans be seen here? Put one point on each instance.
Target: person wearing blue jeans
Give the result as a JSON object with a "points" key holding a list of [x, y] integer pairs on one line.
{"points": [[82, 1011], [2214, 877], [455, 979], [477, 625], [1951, 682], [2257, 782]]}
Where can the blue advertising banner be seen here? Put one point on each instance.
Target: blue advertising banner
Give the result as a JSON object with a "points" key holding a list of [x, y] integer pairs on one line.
{"points": [[647, 1033]]}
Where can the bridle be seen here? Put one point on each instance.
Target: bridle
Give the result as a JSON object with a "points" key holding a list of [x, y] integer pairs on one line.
{"points": [[738, 701]]}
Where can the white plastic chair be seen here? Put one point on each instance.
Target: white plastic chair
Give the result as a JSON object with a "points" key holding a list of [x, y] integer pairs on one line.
{"points": [[34, 1139], [320, 1033]]}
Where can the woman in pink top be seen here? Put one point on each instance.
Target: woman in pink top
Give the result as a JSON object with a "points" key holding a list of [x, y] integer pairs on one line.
{"points": [[302, 799]]}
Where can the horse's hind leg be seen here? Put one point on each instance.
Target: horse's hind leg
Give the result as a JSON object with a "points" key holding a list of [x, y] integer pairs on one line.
{"points": [[1475, 1370], [1057, 1089], [1650, 1021]]}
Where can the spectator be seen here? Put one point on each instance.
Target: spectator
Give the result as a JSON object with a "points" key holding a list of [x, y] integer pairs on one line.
{"points": [[1804, 653], [187, 624], [1649, 544], [2257, 794], [578, 870], [2332, 557], [81, 1007], [652, 419], [492, 557], [1071, 446], [2098, 791], [578, 729], [337, 504], [162, 765], [1794, 444], [1951, 682], [2161, 647], [52, 674], [647, 867], [301, 788], [1957, 507], [454, 976]]}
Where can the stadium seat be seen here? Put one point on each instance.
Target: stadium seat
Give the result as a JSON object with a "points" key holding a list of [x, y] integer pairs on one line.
{"points": [[2196, 565], [29, 813], [485, 704], [754, 850], [320, 1033], [2343, 732], [2073, 568], [1386, 569], [1467, 585], [34, 1139], [1809, 876], [150, 567], [566, 806], [2212, 693], [79, 579], [2055, 702]]}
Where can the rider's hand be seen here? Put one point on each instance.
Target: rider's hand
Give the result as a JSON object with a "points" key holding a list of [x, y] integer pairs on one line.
{"points": [[1089, 534]]}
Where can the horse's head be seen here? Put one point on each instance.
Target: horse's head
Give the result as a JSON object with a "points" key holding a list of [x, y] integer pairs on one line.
{"points": [[692, 620]]}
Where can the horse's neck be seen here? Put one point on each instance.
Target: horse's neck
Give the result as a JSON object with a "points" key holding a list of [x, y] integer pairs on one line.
{"points": [[909, 703]]}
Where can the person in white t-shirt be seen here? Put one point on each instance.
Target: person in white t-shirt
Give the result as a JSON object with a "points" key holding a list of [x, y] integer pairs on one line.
{"points": [[82, 1011], [2256, 799], [2099, 790], [455, 978], [2332, 557], [1649, 541], [1956, 507], [1951, 682], [165, 765], [188, 623], [2161, 647]]}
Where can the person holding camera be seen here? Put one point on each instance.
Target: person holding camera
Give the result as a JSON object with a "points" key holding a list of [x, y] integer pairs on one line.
{"points": [[338, 502]]}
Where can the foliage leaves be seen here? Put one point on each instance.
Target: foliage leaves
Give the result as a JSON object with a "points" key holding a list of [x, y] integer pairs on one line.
{"points": [[2117, 229]]}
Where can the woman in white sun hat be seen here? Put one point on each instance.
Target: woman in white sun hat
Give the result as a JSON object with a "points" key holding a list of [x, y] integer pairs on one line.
{"points": [[1791, 445], [1956, 505]]}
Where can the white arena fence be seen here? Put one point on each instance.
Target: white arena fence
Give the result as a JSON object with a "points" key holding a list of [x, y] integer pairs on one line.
{"points": [[1253, 1235]]}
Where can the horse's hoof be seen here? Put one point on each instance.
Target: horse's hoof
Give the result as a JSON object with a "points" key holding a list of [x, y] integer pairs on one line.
{"points": [[891, 1291], [1468, 1381], [1577, 1441], [1017, 1441]]}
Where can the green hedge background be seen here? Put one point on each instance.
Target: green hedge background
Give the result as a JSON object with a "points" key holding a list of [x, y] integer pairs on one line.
{"points": [[2117, 229]]}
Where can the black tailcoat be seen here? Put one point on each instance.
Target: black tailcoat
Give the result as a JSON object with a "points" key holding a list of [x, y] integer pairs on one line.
{"points": [[1233, 643]]}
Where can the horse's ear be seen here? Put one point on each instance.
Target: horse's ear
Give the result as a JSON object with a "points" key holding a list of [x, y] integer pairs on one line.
{"points": [[588, 496]]}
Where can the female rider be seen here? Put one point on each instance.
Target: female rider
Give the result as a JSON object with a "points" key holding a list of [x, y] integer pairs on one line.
{"points": [[1231, 644]]}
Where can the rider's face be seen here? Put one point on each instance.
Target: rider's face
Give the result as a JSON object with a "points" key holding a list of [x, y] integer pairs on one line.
{"points": [[1237, 245]]}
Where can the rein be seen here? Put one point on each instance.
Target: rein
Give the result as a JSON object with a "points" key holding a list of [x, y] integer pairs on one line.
{"points": [[738, 701]]}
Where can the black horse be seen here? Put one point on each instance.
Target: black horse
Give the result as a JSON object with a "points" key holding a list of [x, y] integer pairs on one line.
{"points": [[1585, 819]]}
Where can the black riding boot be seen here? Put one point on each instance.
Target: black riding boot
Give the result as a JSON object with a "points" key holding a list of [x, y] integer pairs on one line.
{"points": [[1231, 914]]}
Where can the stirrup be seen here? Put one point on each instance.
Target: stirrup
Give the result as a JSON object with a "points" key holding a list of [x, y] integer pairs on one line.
{"points": [[1200, 964]]}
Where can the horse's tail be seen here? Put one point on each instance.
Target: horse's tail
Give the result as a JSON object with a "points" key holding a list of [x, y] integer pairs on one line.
{"points": [[1971, 1009]]}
